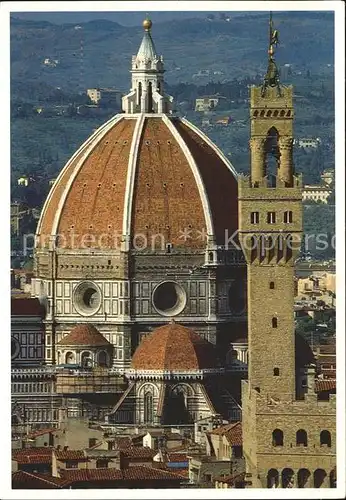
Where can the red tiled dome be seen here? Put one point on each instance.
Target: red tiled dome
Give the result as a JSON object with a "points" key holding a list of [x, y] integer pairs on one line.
{"points": [[86, 335], [174, 347], [142, 174]]}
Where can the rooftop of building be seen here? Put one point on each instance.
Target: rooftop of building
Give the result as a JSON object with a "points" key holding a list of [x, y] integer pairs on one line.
{"points": [[86, 335], [232, 432], [174, 347]]}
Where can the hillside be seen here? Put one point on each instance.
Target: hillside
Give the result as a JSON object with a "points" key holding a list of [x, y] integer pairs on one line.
{"points": [[236, 48]]}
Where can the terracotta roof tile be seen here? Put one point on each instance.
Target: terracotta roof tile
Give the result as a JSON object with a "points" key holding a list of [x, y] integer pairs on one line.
{"points": [[134, 473], [233, 433], [123, 442], [23, 479], [174, 347], [70, 455], [39, 455], [41, 450], [95, 203], [33, 459], [325, 385], [81, 475], [327, 349], [146, 473], [220, 184], [138, 452], [166, 196], [84, 334], [176, 457]]}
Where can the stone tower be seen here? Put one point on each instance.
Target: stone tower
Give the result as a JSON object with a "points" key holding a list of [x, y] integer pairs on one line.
{"points": [[275, 424]]}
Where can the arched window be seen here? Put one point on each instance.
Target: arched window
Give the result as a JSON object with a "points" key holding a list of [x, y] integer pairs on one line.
{"points": [[274, 322], [276, 372], [332, 478], [325, 438], [276, 112], [150, 98], [263, 112], [287, 477], [69, 358], [301, 438], [271, 285], [273, 478], [255, 113], [303, 477], [282, 113], [102, 358], [319, 477], [139, 92], [211, 256], [148, 408], [288, 113], [269, 113], [277, 437], [86, 360]]}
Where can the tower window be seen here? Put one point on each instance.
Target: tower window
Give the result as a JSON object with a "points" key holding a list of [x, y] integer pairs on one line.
{"points": [[254, 217], [325, 439], [272, 285], [276, 372], [278, 437], [288, 217], [301, 438], [274, 322], [168, 247], [271, 217]]}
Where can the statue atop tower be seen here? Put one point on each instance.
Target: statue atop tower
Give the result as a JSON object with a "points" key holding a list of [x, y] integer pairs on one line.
{"points": [[272, 76], [147, 94]]}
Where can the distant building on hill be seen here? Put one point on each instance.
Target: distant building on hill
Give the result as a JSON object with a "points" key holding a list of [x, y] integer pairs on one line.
{"points": [[105, 95], [322, 191], [207, 103], [52, 63], [308, 143]]}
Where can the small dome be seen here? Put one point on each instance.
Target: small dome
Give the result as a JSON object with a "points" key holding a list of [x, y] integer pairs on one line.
{"points": [[86, 335], [174, 347]]}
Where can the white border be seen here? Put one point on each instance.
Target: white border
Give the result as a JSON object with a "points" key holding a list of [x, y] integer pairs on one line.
{"points": [[63, 6]]}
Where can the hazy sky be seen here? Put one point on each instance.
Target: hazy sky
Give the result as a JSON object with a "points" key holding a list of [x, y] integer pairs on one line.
{"points": [[124, 18]]}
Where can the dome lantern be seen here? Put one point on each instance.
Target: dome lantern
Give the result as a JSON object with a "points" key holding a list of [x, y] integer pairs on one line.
{"points": [[147, 94]]}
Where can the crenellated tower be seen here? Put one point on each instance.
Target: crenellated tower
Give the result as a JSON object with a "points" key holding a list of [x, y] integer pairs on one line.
{"points": [[283, 432], [270, 226]]}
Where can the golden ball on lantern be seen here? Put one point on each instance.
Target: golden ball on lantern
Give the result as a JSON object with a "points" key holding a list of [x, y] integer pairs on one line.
{"points": [[147, 24]]}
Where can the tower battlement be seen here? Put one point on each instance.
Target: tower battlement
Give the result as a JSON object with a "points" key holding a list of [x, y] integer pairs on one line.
{"points": [[283, 98], [264, 188]]}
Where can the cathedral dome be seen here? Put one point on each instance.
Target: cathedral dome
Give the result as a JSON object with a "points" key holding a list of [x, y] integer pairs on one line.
{"points": [[144, 178], [144, 175], [174, 347], [84, 335]]}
